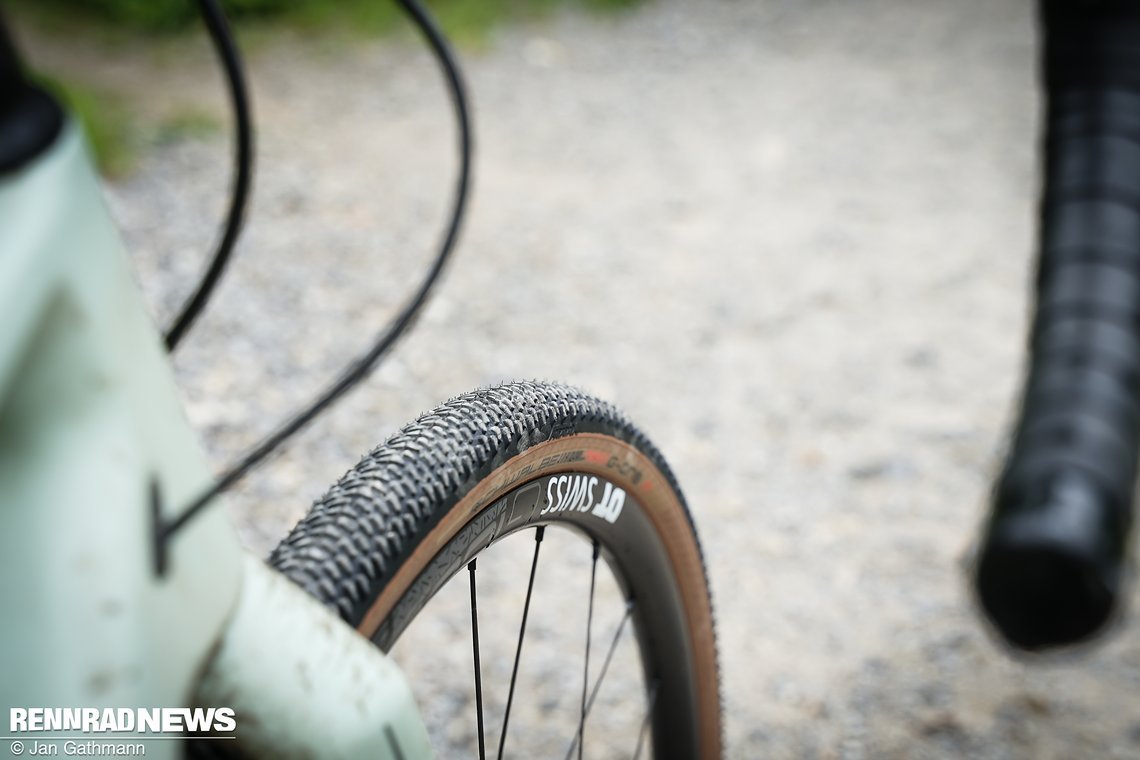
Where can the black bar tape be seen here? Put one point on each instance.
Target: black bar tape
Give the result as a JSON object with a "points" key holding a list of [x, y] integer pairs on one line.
{"points": [[1050, 566]]}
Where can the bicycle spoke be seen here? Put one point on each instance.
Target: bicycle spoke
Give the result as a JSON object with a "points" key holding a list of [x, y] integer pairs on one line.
{"points": [[645, 721], [586, 664], [605, 669], [522, 632], [478, 670], [609, 656]]}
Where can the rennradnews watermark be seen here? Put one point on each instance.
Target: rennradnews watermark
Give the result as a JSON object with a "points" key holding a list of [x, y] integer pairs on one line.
{"points": [[111, 731]]}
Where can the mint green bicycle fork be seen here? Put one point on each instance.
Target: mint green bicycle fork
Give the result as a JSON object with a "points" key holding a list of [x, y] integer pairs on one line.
{"points": [[93, 440]]}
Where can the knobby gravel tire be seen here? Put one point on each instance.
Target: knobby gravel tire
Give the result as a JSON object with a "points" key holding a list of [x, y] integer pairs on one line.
{"points": [[415, 510]]}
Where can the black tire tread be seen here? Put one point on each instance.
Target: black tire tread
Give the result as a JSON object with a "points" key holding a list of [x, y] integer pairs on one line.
{"points": [[356, 536]]}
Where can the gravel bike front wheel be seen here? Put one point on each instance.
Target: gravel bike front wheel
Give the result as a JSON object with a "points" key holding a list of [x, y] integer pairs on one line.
{"points": [[514, 462]]}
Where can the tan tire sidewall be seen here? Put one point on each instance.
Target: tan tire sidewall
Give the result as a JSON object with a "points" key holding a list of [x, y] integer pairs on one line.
{"points": [[626, 466]]}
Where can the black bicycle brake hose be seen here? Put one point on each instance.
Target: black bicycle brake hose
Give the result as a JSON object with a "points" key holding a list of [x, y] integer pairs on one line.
{"points": [[368, 361], [227, 51]]}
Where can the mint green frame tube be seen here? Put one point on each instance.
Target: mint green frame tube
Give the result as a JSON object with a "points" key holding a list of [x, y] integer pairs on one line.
{"points": [[90, 419]]}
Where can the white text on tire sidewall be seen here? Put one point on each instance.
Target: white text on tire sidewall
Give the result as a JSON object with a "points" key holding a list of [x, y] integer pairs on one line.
{"points": [[579, 493]]}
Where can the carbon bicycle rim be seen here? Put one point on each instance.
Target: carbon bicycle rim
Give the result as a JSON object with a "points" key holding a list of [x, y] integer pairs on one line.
{"points": [[520, 464]]}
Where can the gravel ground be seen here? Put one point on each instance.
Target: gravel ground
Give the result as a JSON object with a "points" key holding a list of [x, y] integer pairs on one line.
{"points": [[792, 240]]}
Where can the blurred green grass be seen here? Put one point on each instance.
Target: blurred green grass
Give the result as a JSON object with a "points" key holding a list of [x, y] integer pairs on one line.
{"points": [[106, 119], [465, 21], [117, 135]]}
